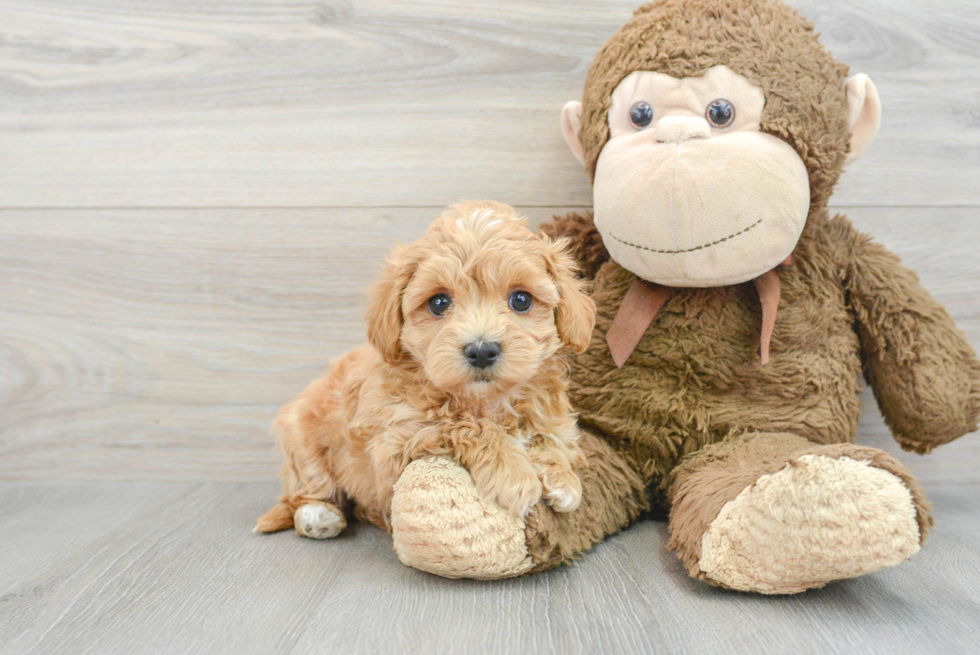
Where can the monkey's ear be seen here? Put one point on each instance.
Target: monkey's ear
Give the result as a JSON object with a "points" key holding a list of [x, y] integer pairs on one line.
{"points": [[571, 124], [863, 113]]}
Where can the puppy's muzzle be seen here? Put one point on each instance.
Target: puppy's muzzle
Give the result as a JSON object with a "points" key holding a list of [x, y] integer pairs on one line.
{"points": [[481, 354]]}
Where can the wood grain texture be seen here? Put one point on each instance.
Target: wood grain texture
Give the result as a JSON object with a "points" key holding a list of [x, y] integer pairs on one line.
{"points": [[173, 568], [159, 344], [250, 103]]}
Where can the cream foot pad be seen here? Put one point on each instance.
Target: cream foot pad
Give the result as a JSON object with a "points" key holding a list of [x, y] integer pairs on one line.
{"points": [[817, 520], [319, 521], [441, 525]]}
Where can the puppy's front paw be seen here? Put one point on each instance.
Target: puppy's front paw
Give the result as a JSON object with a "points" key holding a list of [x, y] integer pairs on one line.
{"points": [[562, 487], [520, 494], [564, 495], [319, 521], [517, 489]]}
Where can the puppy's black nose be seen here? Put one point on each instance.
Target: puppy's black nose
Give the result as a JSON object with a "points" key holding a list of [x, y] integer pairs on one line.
{"points": [[481, 354]]}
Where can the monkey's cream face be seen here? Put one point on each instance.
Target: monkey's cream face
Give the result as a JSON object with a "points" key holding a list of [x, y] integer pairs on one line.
{"points": [[688, 191]]}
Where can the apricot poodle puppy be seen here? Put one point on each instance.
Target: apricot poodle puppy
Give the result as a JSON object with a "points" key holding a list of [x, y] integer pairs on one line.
{"points": [[466, 332]]}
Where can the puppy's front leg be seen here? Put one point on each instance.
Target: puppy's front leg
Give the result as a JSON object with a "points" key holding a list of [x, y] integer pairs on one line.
{"points": [[554, 460], [500, 468], [562, 488], [390, 453]]}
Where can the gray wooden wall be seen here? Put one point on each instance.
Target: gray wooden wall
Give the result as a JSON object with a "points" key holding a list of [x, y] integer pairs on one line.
{"points": [[195, 194]]}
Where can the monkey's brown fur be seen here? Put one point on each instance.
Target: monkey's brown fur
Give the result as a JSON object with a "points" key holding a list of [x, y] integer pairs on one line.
{"points": [[755, 465], [694, 394]]}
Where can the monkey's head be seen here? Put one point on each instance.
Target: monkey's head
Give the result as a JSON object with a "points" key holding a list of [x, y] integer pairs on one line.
{"points": [[712, 129]]}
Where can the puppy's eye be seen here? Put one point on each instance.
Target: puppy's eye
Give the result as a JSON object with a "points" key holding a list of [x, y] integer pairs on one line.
{"points": [[641, 115], [720, 113], [521, 301], [439, 303]]}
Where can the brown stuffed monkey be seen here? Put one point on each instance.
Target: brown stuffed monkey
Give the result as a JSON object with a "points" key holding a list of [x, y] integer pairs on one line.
{"points": [[735, 318]]}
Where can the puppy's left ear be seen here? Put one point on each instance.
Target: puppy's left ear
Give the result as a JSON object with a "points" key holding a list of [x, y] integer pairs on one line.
{"points": [[384, 315], [575, 314]]}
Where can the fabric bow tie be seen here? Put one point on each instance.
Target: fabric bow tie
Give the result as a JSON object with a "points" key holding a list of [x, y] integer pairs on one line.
{"points": [[644, 300]]}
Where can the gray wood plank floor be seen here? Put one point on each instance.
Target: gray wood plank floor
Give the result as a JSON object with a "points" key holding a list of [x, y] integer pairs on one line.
{"points": [[173, 568]]}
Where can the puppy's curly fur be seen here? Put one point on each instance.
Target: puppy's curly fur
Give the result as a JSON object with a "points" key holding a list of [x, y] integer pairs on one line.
{"points": [[412, 393]]}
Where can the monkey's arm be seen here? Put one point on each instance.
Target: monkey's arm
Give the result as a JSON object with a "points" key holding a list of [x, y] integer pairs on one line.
{"points": [[441, 524], [585, 241], [922, 370]]}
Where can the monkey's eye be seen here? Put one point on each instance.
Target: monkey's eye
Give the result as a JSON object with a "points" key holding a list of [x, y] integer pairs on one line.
{"points": [[641, 115], [439, 303], [521, 301], [720, 113]]}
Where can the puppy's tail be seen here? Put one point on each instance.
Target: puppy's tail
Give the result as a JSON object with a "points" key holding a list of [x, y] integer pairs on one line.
{"points": [[278, 518]]}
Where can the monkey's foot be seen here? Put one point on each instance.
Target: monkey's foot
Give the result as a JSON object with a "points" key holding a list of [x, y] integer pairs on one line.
{"points": [[775, 513], [440, 525], [817, 520]]}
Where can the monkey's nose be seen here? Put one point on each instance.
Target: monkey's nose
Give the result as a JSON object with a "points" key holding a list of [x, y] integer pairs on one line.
{"points": [[674, 129], [481, 354]]}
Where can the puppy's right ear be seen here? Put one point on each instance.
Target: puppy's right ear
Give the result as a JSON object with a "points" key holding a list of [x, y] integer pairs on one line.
{"points": [[384, 315]]}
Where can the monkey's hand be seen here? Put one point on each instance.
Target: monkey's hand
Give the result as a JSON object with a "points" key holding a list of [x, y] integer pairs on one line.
{"points": [[922, 370], [442, 524], [585, 242]]}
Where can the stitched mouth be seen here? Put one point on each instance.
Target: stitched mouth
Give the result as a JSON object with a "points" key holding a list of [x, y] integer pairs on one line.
{"points": [[678, 252]]}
